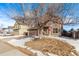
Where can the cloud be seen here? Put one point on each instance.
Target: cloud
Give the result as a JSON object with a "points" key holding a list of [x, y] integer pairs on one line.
{"points": [[6, 23]]}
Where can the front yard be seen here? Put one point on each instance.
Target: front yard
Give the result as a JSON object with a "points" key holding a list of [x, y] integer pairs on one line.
{"points": [[45, 46], [53, 46]]}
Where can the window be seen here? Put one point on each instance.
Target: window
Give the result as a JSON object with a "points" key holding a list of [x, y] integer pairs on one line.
{"points": [[55, 30]]}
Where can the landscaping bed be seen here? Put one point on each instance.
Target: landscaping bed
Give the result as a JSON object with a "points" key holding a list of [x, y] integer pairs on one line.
{"points": [[53, 46]]}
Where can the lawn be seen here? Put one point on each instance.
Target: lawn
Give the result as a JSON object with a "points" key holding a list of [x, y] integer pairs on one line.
{"points": [[53, 46]]}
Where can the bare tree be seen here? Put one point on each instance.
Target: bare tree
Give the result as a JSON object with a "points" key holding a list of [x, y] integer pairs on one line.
{"points": [[40, 16]]}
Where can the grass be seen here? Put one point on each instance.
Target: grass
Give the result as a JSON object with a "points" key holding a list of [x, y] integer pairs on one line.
{"points": [[52, 46]]}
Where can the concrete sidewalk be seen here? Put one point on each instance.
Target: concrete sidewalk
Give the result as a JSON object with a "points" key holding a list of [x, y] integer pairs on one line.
{"points": [[10, 37], [8, 50]]}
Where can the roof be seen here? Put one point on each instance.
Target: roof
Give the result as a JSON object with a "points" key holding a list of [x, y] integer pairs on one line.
{"points": [[32, 28], [54, 19]]}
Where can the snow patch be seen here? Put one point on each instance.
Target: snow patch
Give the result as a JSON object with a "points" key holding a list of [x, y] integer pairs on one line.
{"points": [[19, 42]]}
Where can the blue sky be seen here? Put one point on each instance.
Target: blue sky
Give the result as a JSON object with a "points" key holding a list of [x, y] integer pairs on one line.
{"points": [[6, 8]]}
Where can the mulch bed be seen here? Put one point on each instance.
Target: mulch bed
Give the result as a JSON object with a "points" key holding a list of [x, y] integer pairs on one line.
{"points": [[53, 46]]}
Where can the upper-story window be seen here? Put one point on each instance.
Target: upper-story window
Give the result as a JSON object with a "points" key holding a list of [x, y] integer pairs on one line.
{"points": [[55, 30]]}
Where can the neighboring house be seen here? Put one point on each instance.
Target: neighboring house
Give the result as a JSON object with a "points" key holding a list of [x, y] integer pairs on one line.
{"points": [[19, 29], [72, 33], [6, 31], [1, 31], [75, 34]]}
